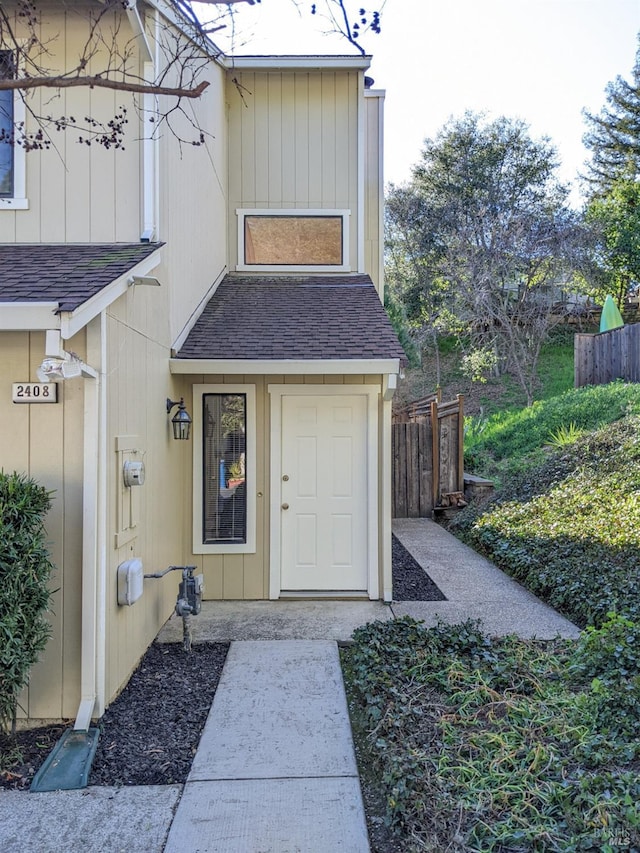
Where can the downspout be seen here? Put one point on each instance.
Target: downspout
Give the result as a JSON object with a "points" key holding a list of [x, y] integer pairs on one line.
{"points": [[150, 189], [135, 21]]}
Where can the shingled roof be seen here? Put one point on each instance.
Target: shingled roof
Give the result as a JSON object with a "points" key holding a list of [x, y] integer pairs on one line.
{"points": [[68, 274], [293, 318]]}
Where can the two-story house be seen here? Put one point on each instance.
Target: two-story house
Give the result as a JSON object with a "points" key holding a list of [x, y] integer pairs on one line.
{"points": [[242, 276]]}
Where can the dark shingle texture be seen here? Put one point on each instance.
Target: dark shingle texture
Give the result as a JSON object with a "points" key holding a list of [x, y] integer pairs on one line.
{"points": [[317, 317], [68, 274]]}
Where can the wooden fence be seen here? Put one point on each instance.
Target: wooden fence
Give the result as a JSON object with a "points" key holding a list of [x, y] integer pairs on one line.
{"points": [[427, 458], [606, 356]]}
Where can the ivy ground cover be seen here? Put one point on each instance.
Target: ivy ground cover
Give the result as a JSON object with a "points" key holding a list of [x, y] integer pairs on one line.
{"points": [[500, 745]]}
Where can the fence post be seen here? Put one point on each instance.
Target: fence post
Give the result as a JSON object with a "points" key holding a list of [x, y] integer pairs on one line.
{"points": [[435, 453]]}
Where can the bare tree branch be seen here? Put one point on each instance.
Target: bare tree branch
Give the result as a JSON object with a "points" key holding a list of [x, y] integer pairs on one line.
{"points": [[93, 82]]}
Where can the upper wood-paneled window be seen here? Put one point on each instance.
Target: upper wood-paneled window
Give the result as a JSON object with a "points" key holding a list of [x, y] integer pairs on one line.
{"points": [[293, 240]]}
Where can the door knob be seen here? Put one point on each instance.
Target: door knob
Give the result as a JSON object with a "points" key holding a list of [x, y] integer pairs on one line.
{"points": [[285, 477], [285, 506]]}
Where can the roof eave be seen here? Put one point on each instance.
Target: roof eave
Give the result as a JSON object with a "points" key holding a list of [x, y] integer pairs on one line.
{"points": [[78, 318], [286, 367], [35, 316], [293, 63], [28, 316]]}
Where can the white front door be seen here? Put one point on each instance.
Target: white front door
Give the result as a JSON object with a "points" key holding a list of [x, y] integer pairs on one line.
{"points": [[324, 493]]}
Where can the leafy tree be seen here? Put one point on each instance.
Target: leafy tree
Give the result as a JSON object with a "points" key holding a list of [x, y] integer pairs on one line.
{"points": [[614, 134], [613, 210], [485, 231], [615, 217]]}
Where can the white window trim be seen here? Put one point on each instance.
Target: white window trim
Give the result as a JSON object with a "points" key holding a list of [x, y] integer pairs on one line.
{"points": [[248, 547], [243, 212], [18, 201]]}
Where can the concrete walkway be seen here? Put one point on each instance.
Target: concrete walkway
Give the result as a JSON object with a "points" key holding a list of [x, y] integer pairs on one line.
{"points": [[275, 769]]}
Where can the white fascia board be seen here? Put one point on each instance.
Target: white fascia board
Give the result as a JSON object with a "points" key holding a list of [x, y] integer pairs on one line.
{"points": [[28, 316], [208, 47], [193, 319], [73, 321], [283, 367], [293, 63]]}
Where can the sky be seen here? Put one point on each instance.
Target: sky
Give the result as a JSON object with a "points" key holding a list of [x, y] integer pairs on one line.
{"points": [[542, 61]]}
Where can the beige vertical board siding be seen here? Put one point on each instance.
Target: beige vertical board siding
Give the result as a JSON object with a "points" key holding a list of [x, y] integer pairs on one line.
{"points": [[331, 119], [277, 164], [302, 112], [293, 142], [14, 418], [55, 162], [248, 140], [288, 147], [374, 190], [137, 386], [233, 577], [79, 157], [78, 193], [262, 151], [193, 205], [102, 181], [346, 126], [315, 140]]}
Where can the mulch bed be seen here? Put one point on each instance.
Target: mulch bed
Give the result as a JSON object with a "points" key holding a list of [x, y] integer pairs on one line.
{"points": [[410, 581], [150, 733]]}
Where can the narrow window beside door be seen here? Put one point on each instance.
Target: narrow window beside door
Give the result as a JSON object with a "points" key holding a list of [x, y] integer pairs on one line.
{"points": [[224, 456]]}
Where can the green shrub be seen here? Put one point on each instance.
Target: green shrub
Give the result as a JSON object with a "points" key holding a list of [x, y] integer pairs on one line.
{"points": [[568, 527], [25, 569]]}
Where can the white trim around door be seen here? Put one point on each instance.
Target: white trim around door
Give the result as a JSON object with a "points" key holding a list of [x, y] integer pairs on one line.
{"points": [[371, 395]]}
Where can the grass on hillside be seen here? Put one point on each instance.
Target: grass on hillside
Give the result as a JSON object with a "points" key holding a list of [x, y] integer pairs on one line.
{"points": [[506, 439]]}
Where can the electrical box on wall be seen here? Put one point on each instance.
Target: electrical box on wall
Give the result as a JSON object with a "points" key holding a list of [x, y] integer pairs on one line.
{"points": [[130, 581], [133, 473]]}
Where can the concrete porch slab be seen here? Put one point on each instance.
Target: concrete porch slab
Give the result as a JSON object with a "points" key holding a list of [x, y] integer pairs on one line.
{"points": [[222, 621]]}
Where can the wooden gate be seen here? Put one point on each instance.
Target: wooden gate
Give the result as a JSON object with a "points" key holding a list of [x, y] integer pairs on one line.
{"points": [[427, 447]]}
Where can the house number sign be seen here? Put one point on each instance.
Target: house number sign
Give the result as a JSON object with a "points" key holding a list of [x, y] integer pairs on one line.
{"points": [[35, 392]]}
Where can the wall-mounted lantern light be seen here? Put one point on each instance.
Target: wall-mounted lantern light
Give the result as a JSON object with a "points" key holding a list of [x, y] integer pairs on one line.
{"points": [[181, 420]]}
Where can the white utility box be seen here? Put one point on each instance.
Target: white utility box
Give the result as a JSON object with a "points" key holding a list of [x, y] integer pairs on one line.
{"points": [[130, 581]]}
